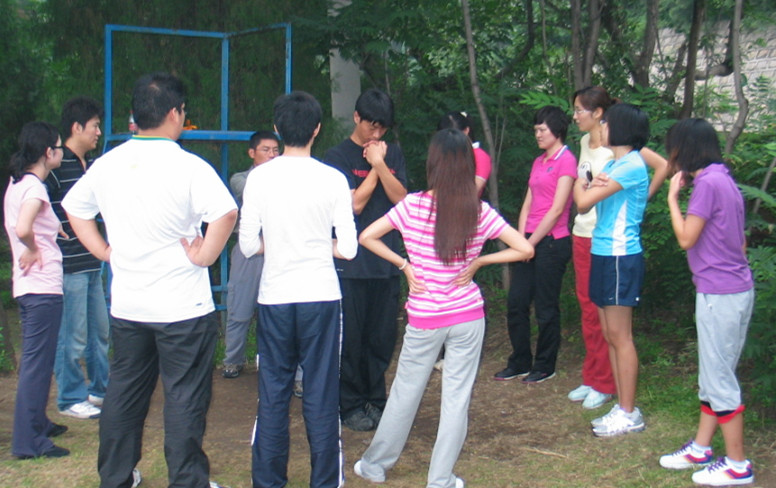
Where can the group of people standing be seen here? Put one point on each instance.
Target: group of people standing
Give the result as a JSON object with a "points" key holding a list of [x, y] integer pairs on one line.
{"points": [[327, 305]]}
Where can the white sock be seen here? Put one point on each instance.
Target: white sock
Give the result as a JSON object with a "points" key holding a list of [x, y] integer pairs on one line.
{"points": [[698, 448], [738, 465]]}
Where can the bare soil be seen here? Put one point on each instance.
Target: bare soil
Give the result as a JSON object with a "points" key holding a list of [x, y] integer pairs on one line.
{"points": [[519, 436]]}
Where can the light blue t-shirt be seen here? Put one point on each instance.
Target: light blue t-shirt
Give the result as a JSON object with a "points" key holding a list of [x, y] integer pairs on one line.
{"points": [[617, 230]]}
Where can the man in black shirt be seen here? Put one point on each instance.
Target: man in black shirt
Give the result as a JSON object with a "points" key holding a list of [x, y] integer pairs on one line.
{"points": [[370, 286]]}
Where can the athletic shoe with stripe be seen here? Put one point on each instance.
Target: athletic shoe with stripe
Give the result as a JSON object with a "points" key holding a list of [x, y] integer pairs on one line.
{"points": [[687, 457], [721, 473], [621, 423]]}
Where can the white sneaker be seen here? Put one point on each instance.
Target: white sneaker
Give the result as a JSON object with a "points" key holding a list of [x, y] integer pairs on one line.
{"points": [[687, 457], [83, 410], [595, 399], [621, 423], [579, 393], [601, 420], [459, 483], [440, 365], [213, 484], [136, 478], [374, 479], [722, 473], [95, 400]]}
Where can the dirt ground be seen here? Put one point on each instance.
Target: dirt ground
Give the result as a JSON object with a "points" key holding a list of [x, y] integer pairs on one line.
{"points": [[519, 436]]}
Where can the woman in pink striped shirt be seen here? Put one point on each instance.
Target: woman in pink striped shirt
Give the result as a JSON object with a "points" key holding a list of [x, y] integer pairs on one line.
{"points": [[444, 229]]}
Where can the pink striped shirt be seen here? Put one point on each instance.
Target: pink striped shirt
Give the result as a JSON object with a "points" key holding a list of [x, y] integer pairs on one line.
{"points": [[442, 304]]}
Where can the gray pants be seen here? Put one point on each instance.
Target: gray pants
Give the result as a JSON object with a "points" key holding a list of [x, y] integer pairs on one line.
{"points": [[463, 343], [722, 322], [241, 302]]}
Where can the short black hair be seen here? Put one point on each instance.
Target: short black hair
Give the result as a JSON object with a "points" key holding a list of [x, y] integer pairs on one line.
{"points": [[261, 135], [628, 126], [155, 94], [692, 144], [296, 115], [78, 109], [375, 106], [555, 119]]}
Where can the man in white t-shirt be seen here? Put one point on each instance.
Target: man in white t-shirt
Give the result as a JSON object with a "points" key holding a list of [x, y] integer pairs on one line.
{"points": [[295, 201], [154, 197]]}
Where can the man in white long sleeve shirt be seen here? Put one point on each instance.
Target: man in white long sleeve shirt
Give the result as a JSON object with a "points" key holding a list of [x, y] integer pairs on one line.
{"points": [[290, 206]]}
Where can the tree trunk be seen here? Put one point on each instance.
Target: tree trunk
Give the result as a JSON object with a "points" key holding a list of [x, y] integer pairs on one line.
{"points": [[698, 16], [493, 185], [576, 44], [644, 61], [743, 103], [583, 47], [594, 12]]}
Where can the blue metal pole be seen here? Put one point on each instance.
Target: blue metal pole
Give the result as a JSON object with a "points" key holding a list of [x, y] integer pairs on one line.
{"points": [[289, 58], [108, 122]]}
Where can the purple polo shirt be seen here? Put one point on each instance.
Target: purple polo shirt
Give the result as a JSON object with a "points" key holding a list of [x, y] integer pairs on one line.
{"points": [[717, 260]]}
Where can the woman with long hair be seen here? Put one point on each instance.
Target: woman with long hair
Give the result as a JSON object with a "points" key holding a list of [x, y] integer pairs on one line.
{"points": [[544, 221], [619, 194], [590, 103], [32, 229], [712, 233], [444, 229]]}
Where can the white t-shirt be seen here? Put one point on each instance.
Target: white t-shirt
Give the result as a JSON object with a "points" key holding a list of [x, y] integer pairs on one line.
{"points": [[151, 193], [592, 161], [295, 202]]}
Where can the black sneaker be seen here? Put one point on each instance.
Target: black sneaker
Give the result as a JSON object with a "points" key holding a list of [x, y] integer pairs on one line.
{"points": [[53, 452], [508, 374], [359, 422], [374, 413], [56, 430], [232, 370], [538, 377]]}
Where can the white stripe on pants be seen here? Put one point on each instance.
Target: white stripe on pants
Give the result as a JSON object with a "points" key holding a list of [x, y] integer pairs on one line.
{"points": [[463, 343]]}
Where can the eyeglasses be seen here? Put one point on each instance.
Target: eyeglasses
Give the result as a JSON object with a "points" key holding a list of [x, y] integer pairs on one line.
{"points": [[57, 147], [580, 111]]}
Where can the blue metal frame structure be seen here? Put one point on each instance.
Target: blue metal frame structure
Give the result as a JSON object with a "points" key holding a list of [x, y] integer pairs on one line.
{"points": [[223, 134]]}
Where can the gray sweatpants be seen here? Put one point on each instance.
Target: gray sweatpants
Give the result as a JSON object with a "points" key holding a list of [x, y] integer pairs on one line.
{"points": [[241, 302], [722, 322], [463, 343]]}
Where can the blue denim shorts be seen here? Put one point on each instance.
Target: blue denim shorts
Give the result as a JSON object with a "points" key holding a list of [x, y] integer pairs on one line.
{"points": [[616, 280]]}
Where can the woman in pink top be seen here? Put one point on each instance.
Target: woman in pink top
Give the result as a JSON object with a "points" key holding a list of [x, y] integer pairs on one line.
{"points": [[444, 229], [32, 229], [482, 163], [544, 220]]}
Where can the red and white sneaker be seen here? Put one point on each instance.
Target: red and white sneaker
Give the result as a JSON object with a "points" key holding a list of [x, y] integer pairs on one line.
{"points": [[721, 473], [687, 457]]}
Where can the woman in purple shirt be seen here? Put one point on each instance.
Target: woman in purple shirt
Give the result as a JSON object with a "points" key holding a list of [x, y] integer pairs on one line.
{"points": [[712, 233]]}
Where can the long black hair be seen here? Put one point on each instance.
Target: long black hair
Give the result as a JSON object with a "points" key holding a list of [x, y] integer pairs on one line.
{"points": [[35, 139]]}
